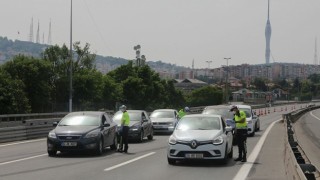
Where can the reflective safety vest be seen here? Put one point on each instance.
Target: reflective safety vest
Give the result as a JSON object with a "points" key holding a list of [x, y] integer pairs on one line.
{"points": [[181, 113], [125, 120], [238, 118]]}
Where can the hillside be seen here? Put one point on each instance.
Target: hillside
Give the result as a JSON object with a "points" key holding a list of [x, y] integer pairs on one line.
{"points": [[9, 49]]}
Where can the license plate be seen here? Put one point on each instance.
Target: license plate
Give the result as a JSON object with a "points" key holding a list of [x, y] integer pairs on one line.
{"points": [[69, 144], [194, 156]]}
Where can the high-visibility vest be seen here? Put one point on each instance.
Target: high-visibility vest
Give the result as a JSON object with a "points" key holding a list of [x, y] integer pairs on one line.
{"points": [[181, 113], [125, 120], [238, 118]]}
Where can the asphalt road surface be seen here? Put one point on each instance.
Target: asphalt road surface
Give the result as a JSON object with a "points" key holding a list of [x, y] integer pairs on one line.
{"points": [[28, 160]]}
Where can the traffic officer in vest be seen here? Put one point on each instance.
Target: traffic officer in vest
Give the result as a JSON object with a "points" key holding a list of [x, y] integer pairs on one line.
{"points": [[125, 121], [183, 112], [241, 132]]}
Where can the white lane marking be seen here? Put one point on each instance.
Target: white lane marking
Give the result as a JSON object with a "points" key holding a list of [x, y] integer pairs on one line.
{"points": [[314, 116], [23, 159], [22, 142], [246, 167], [130, 161]]}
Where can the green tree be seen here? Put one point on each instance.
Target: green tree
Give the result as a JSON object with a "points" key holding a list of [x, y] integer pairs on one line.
{"points": [[13, 99], [36, 75], [205, 96], [260, 84]]}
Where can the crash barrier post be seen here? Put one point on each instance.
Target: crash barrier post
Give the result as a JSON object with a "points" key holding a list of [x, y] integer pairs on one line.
{"points": [[296, 162]]}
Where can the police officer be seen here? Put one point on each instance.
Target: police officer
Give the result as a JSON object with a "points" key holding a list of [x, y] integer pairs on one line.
{"points": [[241, 132], [183, 112], [125, 121]]}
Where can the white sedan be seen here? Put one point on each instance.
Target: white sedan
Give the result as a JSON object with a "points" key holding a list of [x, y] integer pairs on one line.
{"points": [[200, 136]]}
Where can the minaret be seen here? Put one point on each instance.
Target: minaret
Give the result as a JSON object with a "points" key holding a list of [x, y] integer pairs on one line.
{"points": [[268, 36], [38, 34], [49, 35], [315, 61], [31, 31]]}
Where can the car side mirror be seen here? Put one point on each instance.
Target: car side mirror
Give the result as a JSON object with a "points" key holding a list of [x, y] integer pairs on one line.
{"points": [[55, 123], [106, 125], [228, 128]]}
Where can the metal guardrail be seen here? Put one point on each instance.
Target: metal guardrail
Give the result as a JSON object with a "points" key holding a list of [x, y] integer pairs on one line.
{"points": [[295, 158]]}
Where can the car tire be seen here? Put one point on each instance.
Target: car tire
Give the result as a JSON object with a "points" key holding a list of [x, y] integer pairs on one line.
{"points": [[115, 143], [258, 127], [100, 148], [150, 137], [52, 153], [171, 161], [225, 158], [252, 134], [141, 136]]}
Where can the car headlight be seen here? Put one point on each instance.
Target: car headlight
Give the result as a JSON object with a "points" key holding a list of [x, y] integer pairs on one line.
{"points": [[172, 140], [134, 128], [218, 140], [52, 135], [92, 135]]}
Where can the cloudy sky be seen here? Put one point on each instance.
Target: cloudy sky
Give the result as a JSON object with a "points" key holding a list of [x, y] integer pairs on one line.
{"points": [[174, 31]]}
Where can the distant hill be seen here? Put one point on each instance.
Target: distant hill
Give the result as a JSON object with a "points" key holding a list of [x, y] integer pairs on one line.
{"points": [[9, 49]]}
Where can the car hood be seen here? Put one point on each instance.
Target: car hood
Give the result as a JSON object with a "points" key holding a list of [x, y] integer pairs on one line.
{"points": [[162, 119], [73, 129], [199, 135]]}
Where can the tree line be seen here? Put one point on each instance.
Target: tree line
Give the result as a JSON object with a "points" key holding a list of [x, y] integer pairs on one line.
{"points": [[39, 85]]}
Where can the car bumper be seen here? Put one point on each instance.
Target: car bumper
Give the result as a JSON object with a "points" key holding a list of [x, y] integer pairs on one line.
{"points": [[79, 145], [207, 151], [250, 128], [163, 128]]}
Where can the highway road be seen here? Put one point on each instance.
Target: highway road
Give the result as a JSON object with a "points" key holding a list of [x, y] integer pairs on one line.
{"points": [[147, 160], [308, 135]]}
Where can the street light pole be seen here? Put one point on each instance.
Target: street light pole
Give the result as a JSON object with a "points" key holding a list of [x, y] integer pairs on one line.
{"points": [[71, 62], [209, 62], [227, 77]]}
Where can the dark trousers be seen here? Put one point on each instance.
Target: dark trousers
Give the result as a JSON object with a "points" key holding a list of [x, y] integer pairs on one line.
{"points": [[241, 135], [124, 139]]}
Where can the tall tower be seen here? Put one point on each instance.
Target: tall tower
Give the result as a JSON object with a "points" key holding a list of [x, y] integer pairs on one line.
{"points": [[38, 34], [49, 35], [31, 31], [315, 61], [268, 37]]}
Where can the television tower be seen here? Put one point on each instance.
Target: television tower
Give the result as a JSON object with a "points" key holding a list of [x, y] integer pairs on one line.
{"points": [[49, 35], [31, 31], [38, 35], [315, 61], [268, 37]]}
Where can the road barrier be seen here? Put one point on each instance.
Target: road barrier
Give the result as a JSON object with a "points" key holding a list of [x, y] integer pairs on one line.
{"points": [[297, 164]]}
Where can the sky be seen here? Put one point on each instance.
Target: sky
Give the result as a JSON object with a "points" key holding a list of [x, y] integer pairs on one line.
{"points": [[174, 31]]}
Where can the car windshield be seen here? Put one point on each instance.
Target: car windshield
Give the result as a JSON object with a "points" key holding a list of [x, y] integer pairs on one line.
{"points": [[162, 114], [247, 111], [80, 120], [199, 123], [133, 116], [224, 112]]}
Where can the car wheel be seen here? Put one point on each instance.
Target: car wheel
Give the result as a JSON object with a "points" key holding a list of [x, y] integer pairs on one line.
{"points": [[99, 149], [115, 143], [52, 153], [252, 134], [258, 127], [150, 137], [141, 136], [171, 161], [225, 158]]}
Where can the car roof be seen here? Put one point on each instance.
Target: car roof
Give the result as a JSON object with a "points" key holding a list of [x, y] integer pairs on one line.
{"points": [[203, 115], [164, 110], [243, 106], [216, 106], [87, 113]]}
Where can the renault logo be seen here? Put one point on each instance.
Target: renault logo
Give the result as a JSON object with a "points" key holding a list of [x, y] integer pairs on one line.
{"points": [[194, 144]]}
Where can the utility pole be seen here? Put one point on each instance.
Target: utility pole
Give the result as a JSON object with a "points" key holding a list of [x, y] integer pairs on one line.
{"points": [[209, 62], [71, 62], [227, 77]]}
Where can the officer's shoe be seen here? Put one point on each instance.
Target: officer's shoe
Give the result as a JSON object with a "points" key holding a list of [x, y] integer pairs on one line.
{"points": [[238, 159], [244, 160]]}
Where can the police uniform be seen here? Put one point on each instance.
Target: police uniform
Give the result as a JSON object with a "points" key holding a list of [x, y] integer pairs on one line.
{"points": [[125, 121], [241, 134]]}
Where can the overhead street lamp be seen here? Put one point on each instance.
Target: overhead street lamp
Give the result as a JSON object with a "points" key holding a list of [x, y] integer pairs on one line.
{"points": [[227, 77], [208, 71], [71, 62]]}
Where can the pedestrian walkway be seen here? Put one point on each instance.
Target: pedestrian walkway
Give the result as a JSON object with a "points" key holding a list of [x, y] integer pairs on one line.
{"points": [[270, 162]]}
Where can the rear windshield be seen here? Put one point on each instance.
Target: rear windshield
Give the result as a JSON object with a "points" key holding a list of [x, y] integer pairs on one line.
{"points": [[224, 112]]}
